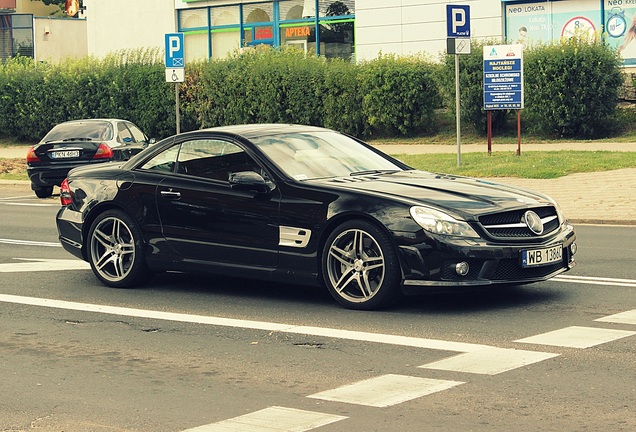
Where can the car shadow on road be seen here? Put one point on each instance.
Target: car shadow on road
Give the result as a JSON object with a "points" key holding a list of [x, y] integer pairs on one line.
{"points": [[483, 299], [448, 301]]}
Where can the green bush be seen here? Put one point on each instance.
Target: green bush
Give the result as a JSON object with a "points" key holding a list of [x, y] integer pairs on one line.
{"points": [[400, 95], [572, 88], [342, 100], [128, 84]]}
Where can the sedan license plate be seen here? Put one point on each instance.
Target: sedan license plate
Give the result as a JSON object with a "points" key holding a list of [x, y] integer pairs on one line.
{"points": [[540, 257], [65, 154]]}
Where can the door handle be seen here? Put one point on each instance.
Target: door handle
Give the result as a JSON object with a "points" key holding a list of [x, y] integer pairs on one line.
{"points": [[170, 194]]}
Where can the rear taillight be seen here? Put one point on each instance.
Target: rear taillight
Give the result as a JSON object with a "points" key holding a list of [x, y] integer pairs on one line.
{"points": [[31, 156], [103, 152], [65, 193]]}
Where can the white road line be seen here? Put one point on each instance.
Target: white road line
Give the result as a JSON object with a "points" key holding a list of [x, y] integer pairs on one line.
{"points": [[28, 204], [577, 337], [29, 243], [33, 265], [589, 280], [15, 197], [272, 419], [628, 317], [490, 361], [385, 390], [388, 339]]}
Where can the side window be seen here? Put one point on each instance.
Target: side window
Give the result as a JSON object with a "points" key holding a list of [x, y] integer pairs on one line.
{"points": [[123, 134], [138, 135], [164, 161], [213, 159]]}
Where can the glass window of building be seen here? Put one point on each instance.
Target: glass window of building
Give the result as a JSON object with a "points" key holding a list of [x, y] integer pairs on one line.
{"points": [[16, 35], [323, 27]]}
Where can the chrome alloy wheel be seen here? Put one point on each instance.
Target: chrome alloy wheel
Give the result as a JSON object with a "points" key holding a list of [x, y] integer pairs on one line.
{"points": [[112, 249], [355, 265]]}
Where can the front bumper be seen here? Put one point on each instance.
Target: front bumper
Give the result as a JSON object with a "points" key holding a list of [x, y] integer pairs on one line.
{"points": [[434, 263]]}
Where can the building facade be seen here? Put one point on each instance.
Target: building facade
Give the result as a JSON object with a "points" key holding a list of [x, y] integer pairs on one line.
{"points": [[354, 30]]}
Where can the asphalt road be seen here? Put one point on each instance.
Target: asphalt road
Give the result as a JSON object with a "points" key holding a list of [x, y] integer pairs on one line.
{"points": [[221, 354]]}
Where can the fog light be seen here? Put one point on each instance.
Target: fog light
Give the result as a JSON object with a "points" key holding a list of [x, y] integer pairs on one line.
{"points": [[462, 268], [573, 248]]}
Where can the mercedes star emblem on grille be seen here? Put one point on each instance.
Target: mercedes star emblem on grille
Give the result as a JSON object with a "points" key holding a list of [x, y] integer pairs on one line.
{"points": [[533, 221]]}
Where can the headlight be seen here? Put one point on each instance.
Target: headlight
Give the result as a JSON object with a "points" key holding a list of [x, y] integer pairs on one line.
{"points": [[439, 222]]}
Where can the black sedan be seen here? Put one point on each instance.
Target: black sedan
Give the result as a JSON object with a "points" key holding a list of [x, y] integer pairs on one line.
{"points": [[80, 142], [306, 205]]}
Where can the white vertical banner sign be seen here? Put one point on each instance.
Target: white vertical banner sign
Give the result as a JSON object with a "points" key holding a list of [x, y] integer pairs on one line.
{"points": [[458, 42]]}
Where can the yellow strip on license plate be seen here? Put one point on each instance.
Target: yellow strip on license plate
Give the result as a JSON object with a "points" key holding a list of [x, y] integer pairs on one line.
{"points": [[540, 257]]}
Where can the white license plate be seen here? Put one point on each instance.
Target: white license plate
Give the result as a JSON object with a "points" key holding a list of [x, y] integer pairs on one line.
{"points": [[539, 257], [65, 154]]}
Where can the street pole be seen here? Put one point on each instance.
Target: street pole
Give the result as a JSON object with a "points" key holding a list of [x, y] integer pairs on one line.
{"points": [[176, 102], [457, 112]]}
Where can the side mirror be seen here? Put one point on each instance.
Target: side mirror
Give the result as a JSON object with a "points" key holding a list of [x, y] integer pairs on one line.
{"points": [[250, 181]]}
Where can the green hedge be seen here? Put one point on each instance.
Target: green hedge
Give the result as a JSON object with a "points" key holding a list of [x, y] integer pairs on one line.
{"points": [[129, 84], [571, 90], [386, 96]]}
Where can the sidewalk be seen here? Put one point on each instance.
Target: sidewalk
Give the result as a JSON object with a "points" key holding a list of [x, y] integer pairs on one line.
{"points": [[607, 197]]}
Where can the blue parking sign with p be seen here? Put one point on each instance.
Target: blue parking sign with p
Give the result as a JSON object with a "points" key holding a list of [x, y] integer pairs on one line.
{"points": [[175, 57], [458, 21]]}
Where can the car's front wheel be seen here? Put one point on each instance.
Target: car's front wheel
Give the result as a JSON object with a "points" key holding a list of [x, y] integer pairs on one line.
{"points": [[360, 266], [115, 250]]}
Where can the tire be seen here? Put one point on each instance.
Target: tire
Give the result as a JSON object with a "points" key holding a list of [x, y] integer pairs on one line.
{"points": [[43, 192], [116, 250], [360, 266]]}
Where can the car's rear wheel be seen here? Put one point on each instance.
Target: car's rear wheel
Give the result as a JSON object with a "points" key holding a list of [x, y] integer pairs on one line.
{"points": [[43, 192], [115, 250], [360, 266]]}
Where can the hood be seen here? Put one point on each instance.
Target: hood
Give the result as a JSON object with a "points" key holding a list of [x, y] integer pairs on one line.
{"points": [[463, 196]]}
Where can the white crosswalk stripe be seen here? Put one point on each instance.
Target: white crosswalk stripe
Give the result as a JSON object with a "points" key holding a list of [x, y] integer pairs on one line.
{"points": [[628, 317], [385, 390], [272, 419], [489, 361], [577, 337]]}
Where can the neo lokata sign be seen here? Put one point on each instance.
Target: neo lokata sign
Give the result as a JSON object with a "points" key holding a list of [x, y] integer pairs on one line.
{"points": [[503, 77]]}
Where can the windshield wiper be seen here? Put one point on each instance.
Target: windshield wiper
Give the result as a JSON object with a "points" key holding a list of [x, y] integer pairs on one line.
{"points": [[386, 171]]}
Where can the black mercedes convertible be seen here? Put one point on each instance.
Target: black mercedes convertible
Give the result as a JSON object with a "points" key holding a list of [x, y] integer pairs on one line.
{"points": [[306, 205]]}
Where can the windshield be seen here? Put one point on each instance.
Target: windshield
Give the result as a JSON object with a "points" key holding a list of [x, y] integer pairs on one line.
{"points": [[93, 131], [313, 155]]}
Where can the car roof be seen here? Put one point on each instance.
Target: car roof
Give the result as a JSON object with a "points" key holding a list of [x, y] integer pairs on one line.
{"points": [[257, 130], [94, 120]]}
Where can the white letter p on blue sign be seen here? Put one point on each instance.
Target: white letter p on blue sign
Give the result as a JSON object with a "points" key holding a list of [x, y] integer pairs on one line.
{"points": [[175, 45], [458, 21]]}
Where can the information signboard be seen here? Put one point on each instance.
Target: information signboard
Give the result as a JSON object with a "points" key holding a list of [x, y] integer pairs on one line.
{"points": [[503, 77]]}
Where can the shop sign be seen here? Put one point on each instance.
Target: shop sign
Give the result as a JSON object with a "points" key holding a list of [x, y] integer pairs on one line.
{"points": [[291, 32], [263, 33]]}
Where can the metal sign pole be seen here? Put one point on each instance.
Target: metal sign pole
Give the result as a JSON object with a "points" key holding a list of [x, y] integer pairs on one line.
{"points": [[176, 102], [457, 112]]}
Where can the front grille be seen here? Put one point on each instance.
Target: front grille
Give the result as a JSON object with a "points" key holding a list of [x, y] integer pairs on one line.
{"points": [[509, 269], [511, 225]]}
